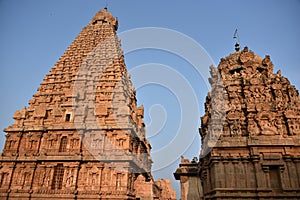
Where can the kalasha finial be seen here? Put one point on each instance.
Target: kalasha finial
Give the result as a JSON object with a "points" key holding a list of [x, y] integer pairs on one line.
{"points": [[237, 47], [237, 38]]}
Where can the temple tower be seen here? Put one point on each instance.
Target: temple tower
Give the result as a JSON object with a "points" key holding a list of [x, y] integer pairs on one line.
{"points": [[250, 134], [82, 135]]}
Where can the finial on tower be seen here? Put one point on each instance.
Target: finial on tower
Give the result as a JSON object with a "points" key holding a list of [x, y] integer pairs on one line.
{"points": [[237, 39], [105, 17]]}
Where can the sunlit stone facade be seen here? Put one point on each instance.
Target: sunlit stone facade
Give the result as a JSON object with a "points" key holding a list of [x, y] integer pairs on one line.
{"points": [[250, 135], [82, 135]]}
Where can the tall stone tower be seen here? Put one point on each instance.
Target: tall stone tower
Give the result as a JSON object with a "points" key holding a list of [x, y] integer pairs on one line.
{"points": [[82, 135], [250, 134]]}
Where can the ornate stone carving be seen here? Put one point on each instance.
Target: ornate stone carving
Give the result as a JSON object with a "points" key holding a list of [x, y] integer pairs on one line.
{"points": [[257, 152], [266, 121], [82, 122], [39, 112], [251, 87]]}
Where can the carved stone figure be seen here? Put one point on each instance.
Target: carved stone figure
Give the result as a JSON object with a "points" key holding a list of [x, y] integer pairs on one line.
{"points": [[252, 127], [69, 178]]}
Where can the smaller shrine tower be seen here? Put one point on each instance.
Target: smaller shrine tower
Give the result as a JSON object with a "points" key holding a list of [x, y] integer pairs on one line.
{"points": [[250, 134]]}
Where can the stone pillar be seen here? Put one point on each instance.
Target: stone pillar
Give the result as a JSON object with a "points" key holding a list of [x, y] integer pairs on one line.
{"points": [[297, 165], [284, 177], [184, 185], [266, 177], [259, 174], [292, 172], [221, 175]]}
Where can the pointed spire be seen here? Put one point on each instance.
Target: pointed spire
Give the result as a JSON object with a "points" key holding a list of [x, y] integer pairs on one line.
{"points": [[237, 38]]}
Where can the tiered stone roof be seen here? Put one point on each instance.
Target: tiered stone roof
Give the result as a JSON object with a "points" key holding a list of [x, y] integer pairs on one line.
{"points": [[82, 135]]}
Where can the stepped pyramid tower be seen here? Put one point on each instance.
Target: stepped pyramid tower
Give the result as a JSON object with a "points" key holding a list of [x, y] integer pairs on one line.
{"points": [[250, 135], [82, 135]]}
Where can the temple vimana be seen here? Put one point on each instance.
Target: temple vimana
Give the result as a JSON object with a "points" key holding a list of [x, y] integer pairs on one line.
{"points": [[250, 134], [83, 136]]}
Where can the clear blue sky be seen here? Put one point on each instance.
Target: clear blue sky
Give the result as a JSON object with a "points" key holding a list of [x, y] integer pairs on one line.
{"points": [[35, 33]]}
